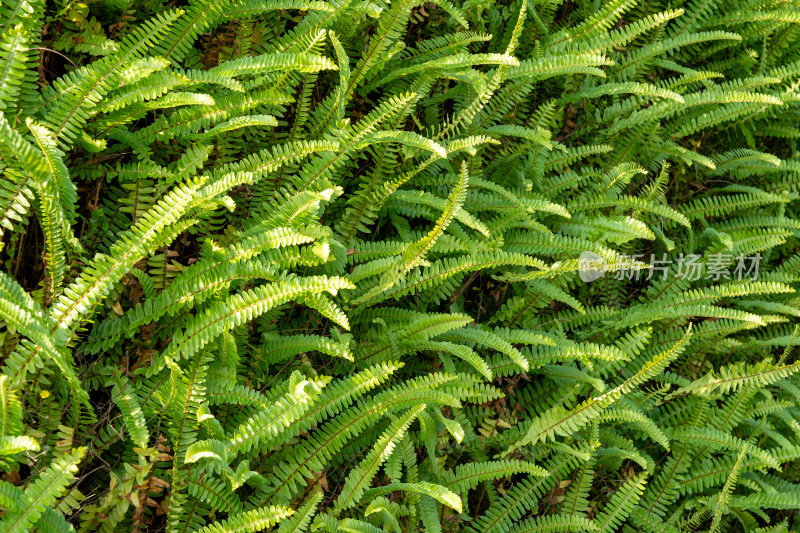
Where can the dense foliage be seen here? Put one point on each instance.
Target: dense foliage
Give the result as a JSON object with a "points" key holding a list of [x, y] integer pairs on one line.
{"points": [[329, 265]]}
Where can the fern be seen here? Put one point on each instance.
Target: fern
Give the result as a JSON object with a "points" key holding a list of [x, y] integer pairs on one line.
{"points": [[364, 266]]}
